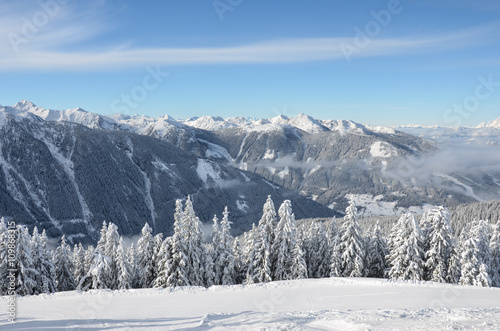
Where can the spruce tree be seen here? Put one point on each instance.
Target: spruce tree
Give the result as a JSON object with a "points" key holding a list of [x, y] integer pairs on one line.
{"points": [[42, 259], [267, 225], [376, 254], [145, 256], [288, 256], [352, 245], [259, 270], [165, 256], [441, 246], [178, 263], [123, 268], [195, 249], [405, 252], [64, 267], [26, 274], [495, 255]]}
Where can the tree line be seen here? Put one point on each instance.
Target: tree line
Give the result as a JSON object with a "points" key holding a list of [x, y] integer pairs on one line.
{"points": [[275, 249]]}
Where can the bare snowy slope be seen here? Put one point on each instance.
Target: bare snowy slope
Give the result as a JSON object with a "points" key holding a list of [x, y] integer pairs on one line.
{"points": [[310, 304]]}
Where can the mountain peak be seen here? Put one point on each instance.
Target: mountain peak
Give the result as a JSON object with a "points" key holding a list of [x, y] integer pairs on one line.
{"points": [[24, 104], [493, 124]]}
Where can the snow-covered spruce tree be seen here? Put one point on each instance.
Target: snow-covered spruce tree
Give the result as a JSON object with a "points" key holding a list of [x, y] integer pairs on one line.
{"points": [[405, 252], [316, 250], [79, 263], [88, 258], [476, 256], [377, 251], [177, 272], [110, 250], [64, 265], [495, 255], [132, 258], [259, 270], [473, 270], [26, 274], [285, 248], [42, 259], [96, 276], [103, 235], [123, 268], [208, 265], [483, 231], [224, 260], [195, 249], [441, 246], [215, 250], [335, 254], [352, 245], [240, 267], [164, 258], [267, 226], [145, 256]]}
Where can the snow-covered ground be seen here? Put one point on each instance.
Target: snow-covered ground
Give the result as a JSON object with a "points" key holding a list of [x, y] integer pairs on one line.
{"points": [[312, 304]]}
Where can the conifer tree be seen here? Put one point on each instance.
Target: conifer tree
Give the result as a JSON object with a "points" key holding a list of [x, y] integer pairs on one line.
{"points": [[124, 269], [178, 263], [376, 254], [405, 252], [64, 267], [26, 274], [288, 256], [145, 256], [195, 249], [317, 251], [78, 263], [495, 255], [267, 225], [42, 259], [441, 246], [352, 245], [165, 257], [259, 270]]}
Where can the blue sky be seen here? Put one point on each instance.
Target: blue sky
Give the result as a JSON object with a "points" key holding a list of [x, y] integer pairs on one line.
{"points": [[375, 62]]}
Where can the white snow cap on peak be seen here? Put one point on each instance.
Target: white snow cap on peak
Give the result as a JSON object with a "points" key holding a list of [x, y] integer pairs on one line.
{"points": [[25, 105], [493, 124]]}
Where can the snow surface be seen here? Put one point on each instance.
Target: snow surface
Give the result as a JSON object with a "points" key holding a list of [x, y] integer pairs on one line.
{"points": [[370, 205], [310, 304], [382, 149]]}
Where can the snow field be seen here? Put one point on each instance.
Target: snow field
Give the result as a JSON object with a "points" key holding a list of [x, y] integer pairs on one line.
{"points": [[308, 304]]}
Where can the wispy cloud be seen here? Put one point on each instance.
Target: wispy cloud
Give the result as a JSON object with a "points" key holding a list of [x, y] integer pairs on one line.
{"points": [[47, 49]]}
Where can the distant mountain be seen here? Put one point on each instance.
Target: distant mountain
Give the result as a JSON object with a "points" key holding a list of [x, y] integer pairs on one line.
{"points": [[67, 178], [320, 163], [495, 124]]}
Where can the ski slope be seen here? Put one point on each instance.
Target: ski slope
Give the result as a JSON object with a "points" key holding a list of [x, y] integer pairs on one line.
{"points": [[311, 304]]}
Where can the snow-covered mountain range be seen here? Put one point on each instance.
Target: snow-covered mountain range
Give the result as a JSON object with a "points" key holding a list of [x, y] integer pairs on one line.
{"points": [[77, 167]]}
